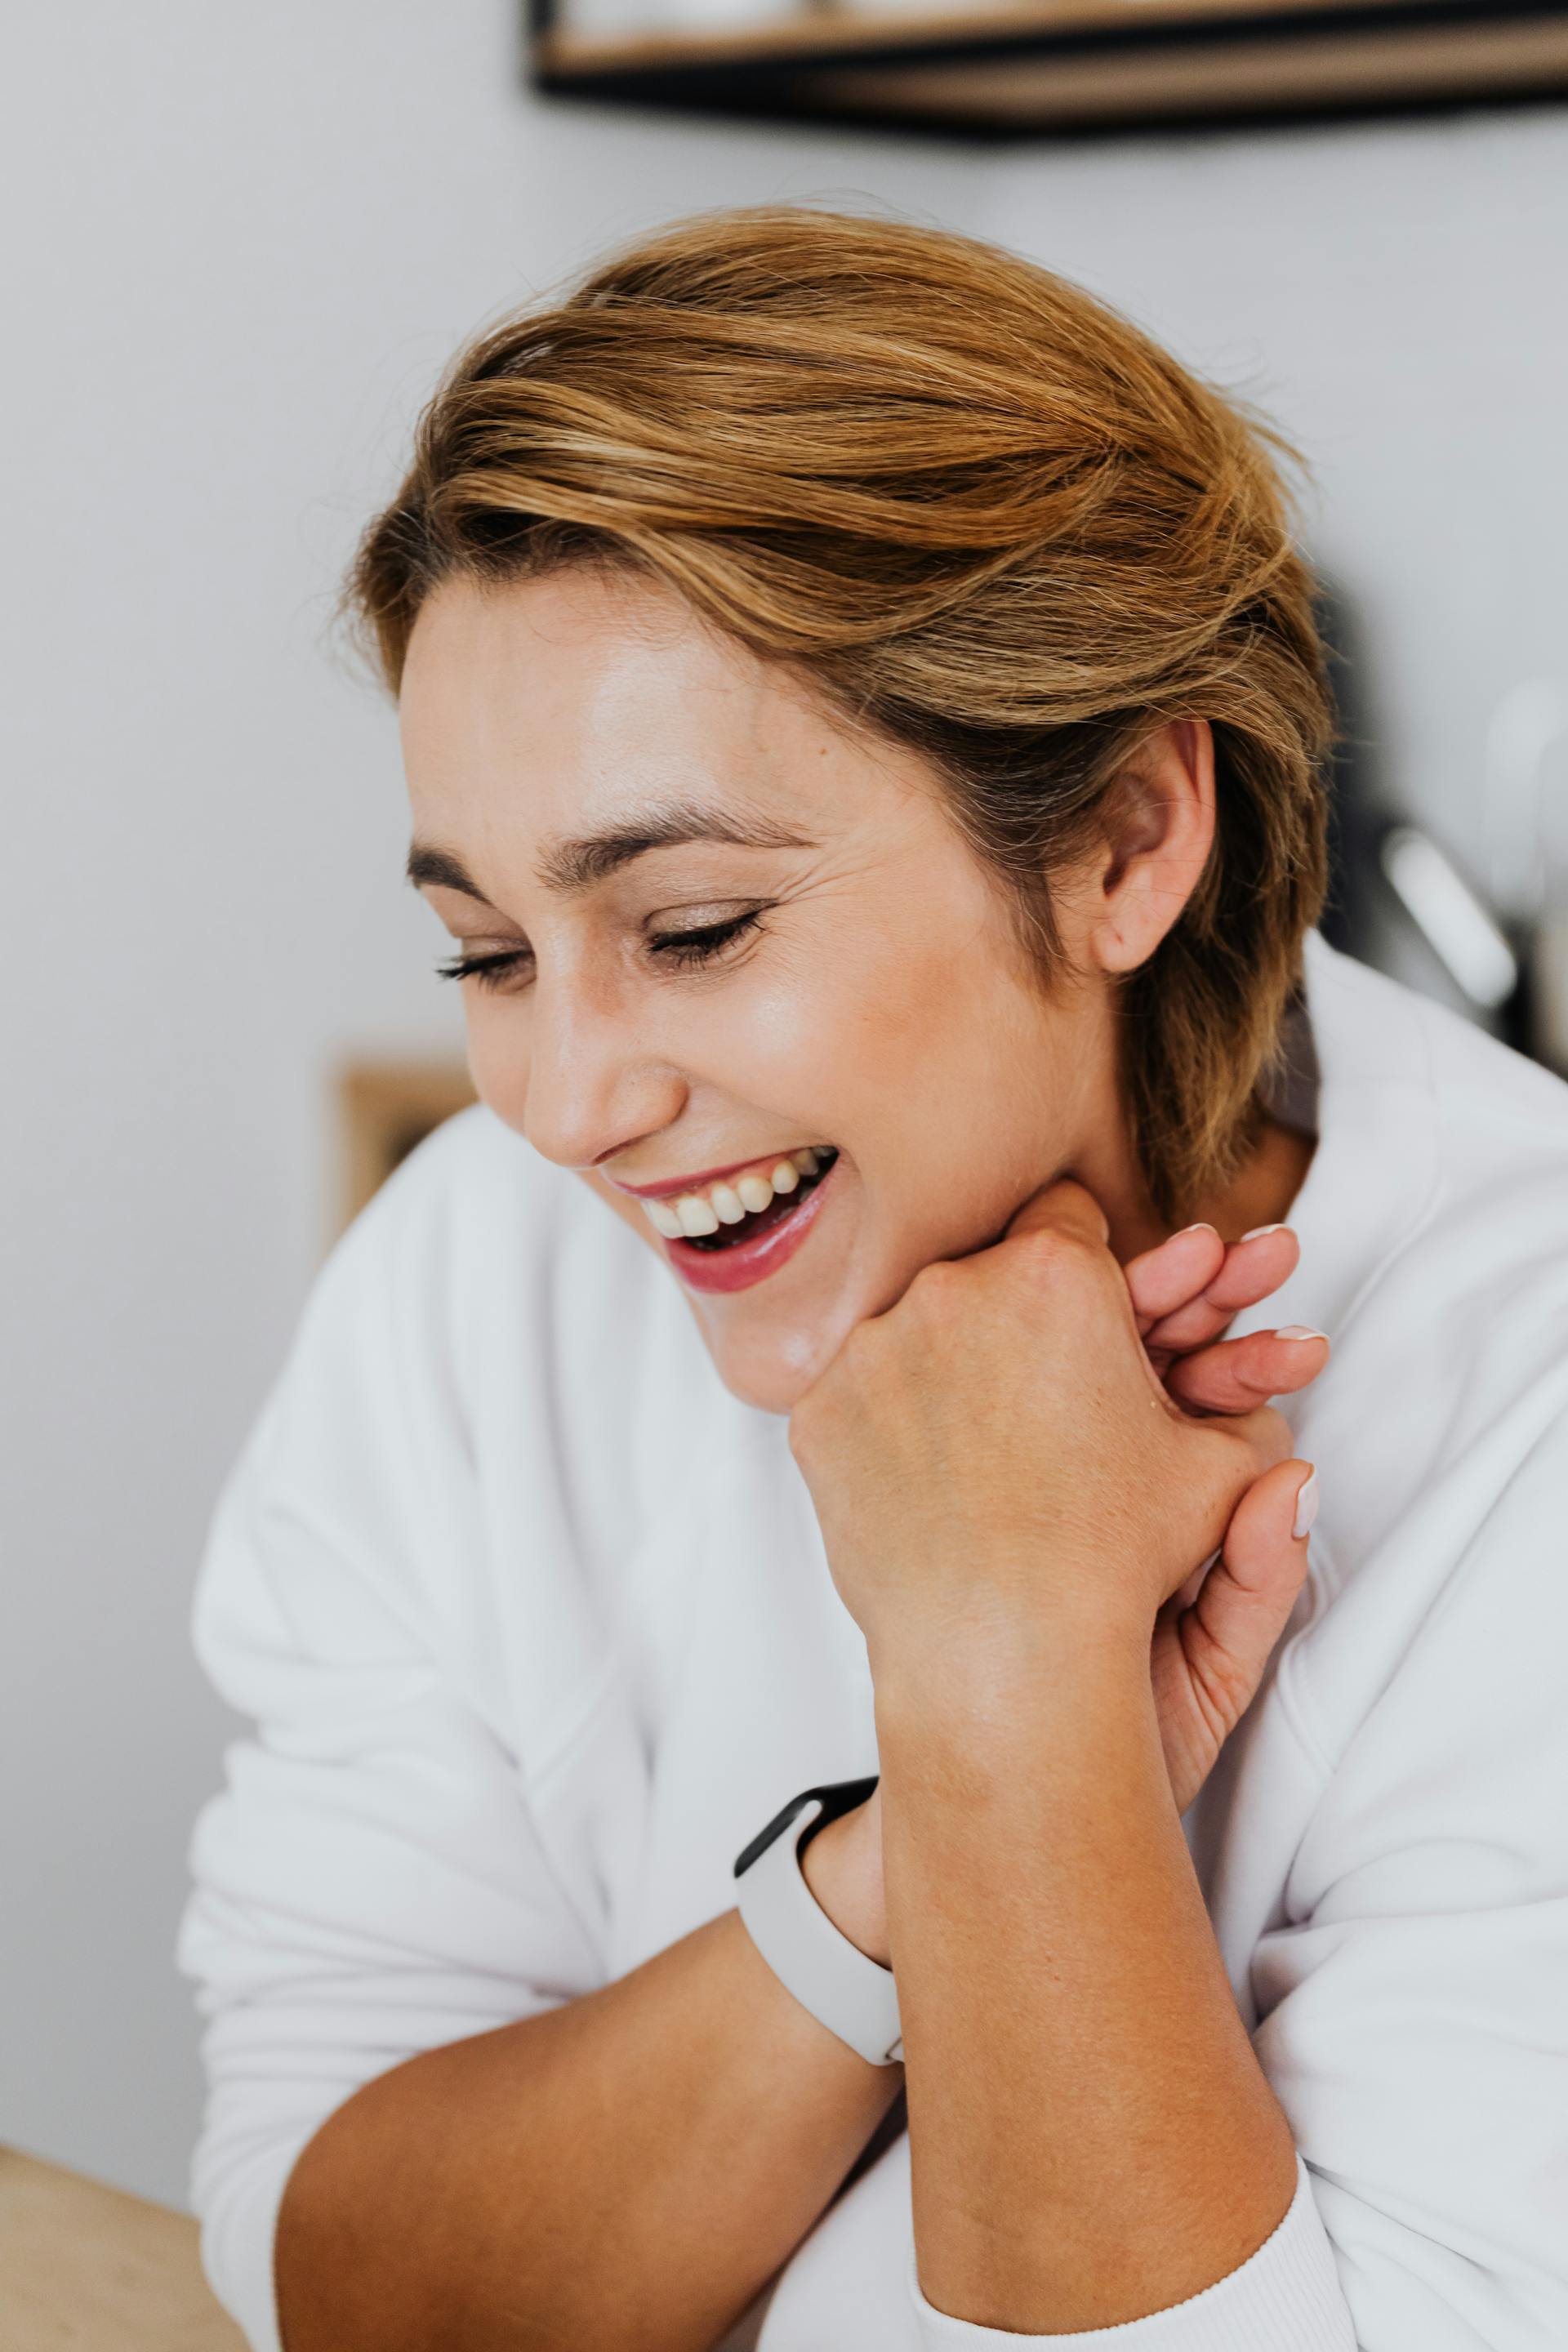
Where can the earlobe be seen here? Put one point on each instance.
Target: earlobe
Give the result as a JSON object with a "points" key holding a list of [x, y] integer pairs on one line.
{"points": [[1160, 824]]}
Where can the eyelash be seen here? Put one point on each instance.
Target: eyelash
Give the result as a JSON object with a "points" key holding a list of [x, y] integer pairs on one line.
{"points": [[683, 949]]}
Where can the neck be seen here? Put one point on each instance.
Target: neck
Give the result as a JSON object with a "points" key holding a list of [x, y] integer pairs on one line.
{"points": [[1261, 1193], [1264, 1189]]}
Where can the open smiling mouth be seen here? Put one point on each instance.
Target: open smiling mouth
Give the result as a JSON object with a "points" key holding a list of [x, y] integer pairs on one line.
{"points": [[783, 1205], [732, 1233]]}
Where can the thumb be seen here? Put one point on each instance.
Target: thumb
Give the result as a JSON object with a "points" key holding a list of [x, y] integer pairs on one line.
{"points": [[1249, 1592], [1063, 1206]]}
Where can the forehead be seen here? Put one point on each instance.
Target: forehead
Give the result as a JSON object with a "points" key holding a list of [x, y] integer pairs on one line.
{"points": [[569, 700]]}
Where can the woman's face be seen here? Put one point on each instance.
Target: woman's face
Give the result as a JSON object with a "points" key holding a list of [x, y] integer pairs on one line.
{"points": [[721, 930]]}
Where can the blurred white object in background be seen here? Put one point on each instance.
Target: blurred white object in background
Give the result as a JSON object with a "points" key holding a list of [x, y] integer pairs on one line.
{"points": [[1501, 945], [1454, 922]]}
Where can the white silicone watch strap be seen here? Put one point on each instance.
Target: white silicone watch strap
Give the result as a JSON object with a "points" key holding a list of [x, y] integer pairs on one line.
{"points": [[843, 1987]]}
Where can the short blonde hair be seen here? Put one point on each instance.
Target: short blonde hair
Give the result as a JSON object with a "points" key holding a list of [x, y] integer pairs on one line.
{"points": [[986, 515]]}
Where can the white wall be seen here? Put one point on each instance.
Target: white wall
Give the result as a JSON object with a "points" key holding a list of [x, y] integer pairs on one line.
{"points": [[1396, 295], [250, 240]]}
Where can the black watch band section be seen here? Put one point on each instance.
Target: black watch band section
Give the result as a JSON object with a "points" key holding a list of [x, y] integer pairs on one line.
{"points": [[834, 1797]]}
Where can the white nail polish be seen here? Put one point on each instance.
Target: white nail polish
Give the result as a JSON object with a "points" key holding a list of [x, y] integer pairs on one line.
{"points": [[1258, 1231], [1196, 1229], [1298, 1331], [1305, 1506]]}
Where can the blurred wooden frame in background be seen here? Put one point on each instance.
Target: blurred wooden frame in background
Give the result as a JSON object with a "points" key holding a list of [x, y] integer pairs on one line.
{"points": [[998, 69], [384, 1109]]}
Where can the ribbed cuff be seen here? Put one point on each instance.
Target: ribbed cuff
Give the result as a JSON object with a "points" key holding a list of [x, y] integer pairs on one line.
{"points": [[1286, 2298]]}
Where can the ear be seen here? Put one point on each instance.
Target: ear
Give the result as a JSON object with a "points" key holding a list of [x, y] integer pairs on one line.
{"points": [[1159, 830]]}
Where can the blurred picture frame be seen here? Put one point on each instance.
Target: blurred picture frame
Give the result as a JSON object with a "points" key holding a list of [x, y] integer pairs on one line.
{"points": [[384, 1108]]}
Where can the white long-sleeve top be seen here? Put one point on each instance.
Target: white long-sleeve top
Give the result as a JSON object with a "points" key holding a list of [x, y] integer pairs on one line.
{"points": [[537, 1628]]}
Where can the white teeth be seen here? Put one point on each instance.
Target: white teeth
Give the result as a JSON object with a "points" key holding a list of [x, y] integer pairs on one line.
{"points": [[695, 1217]]}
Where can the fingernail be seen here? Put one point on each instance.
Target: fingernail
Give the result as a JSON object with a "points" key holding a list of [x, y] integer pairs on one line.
{"points": [[1258, 1231], [1196, 1229], [1298, 1331], [1306, 1505]]}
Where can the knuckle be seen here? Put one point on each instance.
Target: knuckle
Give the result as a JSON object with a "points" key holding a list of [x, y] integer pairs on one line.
{"points": [[1075, 1205], [1246, 1446], [936, 1290], [1224, 1686], [1064, 1262], [1048, 1248], [1269, 1433]]}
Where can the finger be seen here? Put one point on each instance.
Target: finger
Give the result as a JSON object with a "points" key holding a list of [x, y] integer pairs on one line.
{"points": [[1180, 1270], [1248, 1594], [1262, 1437], [1252, 1269], [1233, 1375], [1066, 1207]]}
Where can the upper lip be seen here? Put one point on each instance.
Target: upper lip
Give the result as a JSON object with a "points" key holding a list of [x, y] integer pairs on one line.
{"points": [[707, 1176]]}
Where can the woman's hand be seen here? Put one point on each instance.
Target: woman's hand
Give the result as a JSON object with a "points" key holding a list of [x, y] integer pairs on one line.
{"points": [[1212, 1638], [993, 1461], [1184, 1295], [1008, 1498]]}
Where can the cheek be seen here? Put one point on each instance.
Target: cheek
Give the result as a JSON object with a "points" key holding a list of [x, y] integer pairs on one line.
{"points": [[498, 1062], [786, 1045], [964, 1112], [834, 1031]]}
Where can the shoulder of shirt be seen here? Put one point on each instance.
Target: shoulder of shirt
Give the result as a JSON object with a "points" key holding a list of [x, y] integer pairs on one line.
{"points": [[471, 1164], [484, 1319], [473, 1188], [479, 1261], [1452, 1320], [1443, 1419], [1497, 1125]]}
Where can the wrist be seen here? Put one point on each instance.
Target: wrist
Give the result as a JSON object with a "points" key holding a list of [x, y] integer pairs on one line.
{"points": [[842, 1866], [1053, 1673]]}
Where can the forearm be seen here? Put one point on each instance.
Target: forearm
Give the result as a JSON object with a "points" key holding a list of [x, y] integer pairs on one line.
{"points": [[624, 2171], [1091, 2138]]}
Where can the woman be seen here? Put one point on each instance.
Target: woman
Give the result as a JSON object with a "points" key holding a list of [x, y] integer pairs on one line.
{"points": [[863, 719]]}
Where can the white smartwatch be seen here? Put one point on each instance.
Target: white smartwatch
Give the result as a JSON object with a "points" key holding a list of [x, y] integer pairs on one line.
{"points": [[850, 1993]]}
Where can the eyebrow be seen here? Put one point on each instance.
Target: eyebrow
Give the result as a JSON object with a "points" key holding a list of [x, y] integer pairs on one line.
{"points": [[572, 866]]}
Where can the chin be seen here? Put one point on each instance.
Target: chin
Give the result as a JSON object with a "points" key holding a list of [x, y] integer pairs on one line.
{"points": [[769, 1368], [769, 1353]]}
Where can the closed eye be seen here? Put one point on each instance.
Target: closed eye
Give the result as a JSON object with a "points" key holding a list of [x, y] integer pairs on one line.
{"points": [[487, 969], [697, 947], [683, 948]]}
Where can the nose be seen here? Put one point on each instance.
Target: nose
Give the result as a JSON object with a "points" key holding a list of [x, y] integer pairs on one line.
{"points": [[593, 1086]]}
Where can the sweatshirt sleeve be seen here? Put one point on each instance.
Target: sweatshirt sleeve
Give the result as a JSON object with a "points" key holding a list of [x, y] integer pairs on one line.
{"points": [[1286, 2297], [369, 1885], [1413, 2000]]}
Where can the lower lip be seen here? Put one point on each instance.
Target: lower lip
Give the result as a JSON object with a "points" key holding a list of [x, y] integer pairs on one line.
{"points": [[745, 1263]]}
